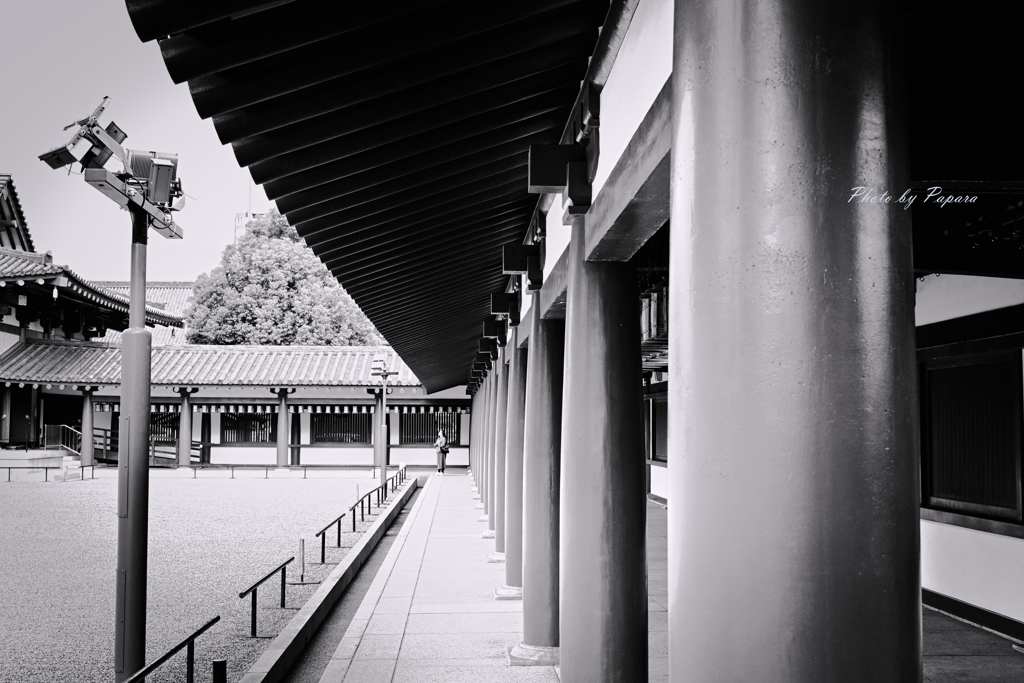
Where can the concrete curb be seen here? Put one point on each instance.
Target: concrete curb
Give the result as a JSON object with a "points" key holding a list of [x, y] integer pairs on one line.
{"points": [[275, 663]]}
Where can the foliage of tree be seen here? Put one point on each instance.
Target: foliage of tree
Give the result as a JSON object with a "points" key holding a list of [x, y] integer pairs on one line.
{"points": [[271, 289]]}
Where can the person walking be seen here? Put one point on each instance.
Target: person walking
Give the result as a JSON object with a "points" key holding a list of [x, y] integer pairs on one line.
{"points": [[441, 448]]}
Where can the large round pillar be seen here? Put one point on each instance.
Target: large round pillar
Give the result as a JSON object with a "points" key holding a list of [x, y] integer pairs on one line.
{"points": [[497, 520], [541, 480], [485, 428], [603, 499], [87, 451], [793, 457], [515, 414], [185, 428], [282, 427]]}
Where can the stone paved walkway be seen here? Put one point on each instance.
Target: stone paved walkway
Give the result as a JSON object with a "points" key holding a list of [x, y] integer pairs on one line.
{"points": [[430, 614]]}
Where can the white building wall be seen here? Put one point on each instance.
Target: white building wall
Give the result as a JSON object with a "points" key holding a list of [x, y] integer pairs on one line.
{"points": [[642, 66], [659, 481], [337, 456], [976, 567], [244, 455], [944, 297]]}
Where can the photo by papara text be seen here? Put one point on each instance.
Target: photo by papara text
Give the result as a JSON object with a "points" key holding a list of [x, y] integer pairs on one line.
{"points": [[868, 195]]}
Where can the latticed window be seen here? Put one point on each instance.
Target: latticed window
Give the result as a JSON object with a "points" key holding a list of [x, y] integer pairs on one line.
{"points": [[245, 428], [422, 428], [163, 427], [341, 427], [971, 429]]}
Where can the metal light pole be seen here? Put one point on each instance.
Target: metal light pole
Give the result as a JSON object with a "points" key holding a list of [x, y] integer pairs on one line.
{"points": [[145, 188], [382, 372]]}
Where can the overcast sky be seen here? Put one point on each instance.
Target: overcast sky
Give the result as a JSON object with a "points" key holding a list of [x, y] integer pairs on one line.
{"points": [[60, 58]]}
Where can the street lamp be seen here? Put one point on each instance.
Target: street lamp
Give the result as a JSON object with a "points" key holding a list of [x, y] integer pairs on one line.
{"points": [[146, 188], [380, 369]]}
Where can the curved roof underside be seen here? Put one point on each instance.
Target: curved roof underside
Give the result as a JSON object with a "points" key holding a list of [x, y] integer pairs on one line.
{"points": [[394, 141]]}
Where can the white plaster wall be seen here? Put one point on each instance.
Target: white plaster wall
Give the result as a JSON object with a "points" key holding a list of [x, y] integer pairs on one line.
{"points": [[457, 457], [7, 340], [214, 429], [659, 481], [337, 456], [642, 66], [943, 297], [242, 455], [464, 427], [979, 568], [556, 236], [304, 427], [101, 419]]}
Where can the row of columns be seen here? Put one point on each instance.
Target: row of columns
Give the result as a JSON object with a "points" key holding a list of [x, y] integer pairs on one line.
{"points": [[793, 549], [568, 497], [285, 432]]}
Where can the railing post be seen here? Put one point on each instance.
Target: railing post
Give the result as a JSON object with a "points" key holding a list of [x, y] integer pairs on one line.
{"points": [[220, 671], [190, 662], [284, 573], [323, 545], [339, 531], [252, 628]]}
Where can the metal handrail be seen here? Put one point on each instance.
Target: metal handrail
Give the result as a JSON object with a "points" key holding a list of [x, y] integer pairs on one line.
{"points": [[46, 470], [392, 482], [323, 537], [62, 436], [190, 662], [251, 590]]}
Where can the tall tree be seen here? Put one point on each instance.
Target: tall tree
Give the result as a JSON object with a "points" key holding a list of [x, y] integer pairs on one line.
{"points": [[271, 289]]}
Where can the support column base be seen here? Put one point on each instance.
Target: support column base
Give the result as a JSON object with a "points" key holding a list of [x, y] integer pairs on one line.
{"points": [[479, 506], [482, 518], [508, 592], [532, 655], [488, 533], [495, 558]]}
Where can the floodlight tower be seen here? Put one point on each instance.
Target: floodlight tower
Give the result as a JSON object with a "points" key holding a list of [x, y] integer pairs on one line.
{"points": [[146, 188], [380, 369]]}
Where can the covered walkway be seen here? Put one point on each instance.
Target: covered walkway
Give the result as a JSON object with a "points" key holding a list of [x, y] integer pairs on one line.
{"points": [[430, 614]]}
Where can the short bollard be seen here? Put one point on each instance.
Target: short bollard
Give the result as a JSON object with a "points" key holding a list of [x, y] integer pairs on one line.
{"points": [[220, 671]]}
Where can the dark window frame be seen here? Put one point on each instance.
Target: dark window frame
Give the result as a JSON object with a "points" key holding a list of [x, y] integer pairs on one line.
{"points": [[325, 427], [976, 353], [651, 427], [229, 433], [410, 434]]}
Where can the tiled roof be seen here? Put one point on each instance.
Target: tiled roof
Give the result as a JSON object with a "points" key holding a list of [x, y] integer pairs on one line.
{"points": [[171, 297], [8, 193], [61, 362], [168, 296], [15, 265], [25, 264]]}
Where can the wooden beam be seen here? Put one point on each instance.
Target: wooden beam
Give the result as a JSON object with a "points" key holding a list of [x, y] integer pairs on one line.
{"points": [[634, 201], [552, 294]]}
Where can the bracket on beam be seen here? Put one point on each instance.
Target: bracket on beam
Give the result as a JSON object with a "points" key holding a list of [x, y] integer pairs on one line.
{"points": [[497, 330], [506, 305]]}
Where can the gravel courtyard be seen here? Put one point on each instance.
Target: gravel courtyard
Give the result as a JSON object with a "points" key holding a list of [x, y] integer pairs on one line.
{"points": [[209, 538]]}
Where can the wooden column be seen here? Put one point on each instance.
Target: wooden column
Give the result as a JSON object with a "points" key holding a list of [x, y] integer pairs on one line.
{"points": [[496, 522], [185, 428], [486, 446], [513, 588], [603, 502], [541, 467], [87, 455], [296, 438], [793, 458], [205, 436], [282, 426]]}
